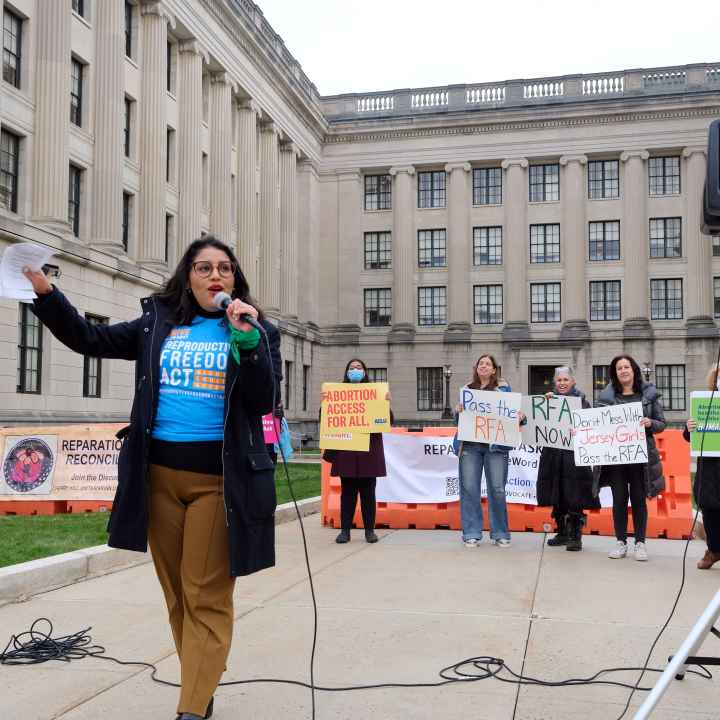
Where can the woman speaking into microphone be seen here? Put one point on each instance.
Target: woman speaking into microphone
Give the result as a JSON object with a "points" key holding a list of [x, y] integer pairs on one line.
{"points": [[194, 478]]}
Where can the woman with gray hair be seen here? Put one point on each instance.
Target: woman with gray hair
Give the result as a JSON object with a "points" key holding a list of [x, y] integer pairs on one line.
{"points": [[561, 483]]}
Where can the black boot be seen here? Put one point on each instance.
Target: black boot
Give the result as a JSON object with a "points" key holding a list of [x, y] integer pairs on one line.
{"points": [[575, 526], [370, 536], [343, 537], [561, 538]]}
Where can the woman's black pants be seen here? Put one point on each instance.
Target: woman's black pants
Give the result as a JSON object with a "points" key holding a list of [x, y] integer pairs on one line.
{"points": [[628, 481], [351, 486]]}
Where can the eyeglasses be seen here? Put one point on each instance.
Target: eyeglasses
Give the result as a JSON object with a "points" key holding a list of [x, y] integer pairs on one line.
{"points": [[204, 269]]}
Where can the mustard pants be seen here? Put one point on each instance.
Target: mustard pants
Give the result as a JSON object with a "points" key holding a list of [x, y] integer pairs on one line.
{"points": [[189, 542]]}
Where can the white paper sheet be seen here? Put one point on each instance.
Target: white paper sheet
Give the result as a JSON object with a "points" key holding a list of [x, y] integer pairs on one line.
{"points": [[13, 284]]}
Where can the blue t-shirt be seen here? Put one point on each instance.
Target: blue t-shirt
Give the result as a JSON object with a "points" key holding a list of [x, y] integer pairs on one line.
{"points": [[193, 363]]}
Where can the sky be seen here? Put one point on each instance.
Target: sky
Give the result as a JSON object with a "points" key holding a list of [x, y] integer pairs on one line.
{"points": [[368, 45]]}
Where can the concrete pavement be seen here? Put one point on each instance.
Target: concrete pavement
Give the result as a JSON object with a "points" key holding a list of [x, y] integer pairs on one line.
{"points": [[397, 611]]}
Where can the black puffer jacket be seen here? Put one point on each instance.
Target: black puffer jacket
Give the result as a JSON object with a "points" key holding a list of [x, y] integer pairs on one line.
{"points": [[653, 409], [706, 487], [248, 473]]}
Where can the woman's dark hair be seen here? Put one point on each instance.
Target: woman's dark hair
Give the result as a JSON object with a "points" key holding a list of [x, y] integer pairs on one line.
{"points": [[177, 292], [476, 384], [347, 367], [637, 375]]}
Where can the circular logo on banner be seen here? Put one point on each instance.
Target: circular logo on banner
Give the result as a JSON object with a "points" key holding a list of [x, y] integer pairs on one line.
{"points": [[28, 465]]}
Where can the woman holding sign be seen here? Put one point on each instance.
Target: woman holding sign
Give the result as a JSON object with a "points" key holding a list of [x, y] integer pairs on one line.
{"points": [[561, 483], [706, 489], [493, 459], [638, 481], [358, 471]]}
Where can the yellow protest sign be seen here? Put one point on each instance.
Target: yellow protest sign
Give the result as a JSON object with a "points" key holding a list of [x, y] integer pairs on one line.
{"points": [[345, 441], [354, 408]]}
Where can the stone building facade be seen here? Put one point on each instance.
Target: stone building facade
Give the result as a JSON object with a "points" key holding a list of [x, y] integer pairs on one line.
{"points": [[549, 221]]}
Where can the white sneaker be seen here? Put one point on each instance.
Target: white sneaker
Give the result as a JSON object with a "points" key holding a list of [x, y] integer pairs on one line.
{"points": [[619, 551], [471, 542], [640, 552], [503, 542]]}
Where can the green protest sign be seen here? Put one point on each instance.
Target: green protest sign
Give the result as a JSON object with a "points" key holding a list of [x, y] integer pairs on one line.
{"points": [[707, 415]]}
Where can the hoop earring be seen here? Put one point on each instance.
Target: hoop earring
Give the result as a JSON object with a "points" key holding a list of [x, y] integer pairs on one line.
{"points": [[188, 290]]}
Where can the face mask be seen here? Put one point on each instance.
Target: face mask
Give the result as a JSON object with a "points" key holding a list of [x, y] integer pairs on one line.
{"points": [[355, 375]]}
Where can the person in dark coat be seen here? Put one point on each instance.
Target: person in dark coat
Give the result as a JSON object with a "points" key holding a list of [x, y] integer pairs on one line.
{"points": [[706, 489], [358, 471], [194, 477], [640, 480], [561, 483]]}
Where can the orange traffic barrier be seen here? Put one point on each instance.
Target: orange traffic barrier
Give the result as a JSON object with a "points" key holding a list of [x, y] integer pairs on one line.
{"points": [[669, 515], [53, 507]]}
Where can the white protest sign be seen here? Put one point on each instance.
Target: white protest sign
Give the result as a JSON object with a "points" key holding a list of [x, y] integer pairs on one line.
{"points": [[610, 435], [489, 417], [549, 421]]}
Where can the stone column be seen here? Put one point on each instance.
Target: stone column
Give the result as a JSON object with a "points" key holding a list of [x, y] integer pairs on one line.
{"points": [[634, 244], [458, 252], [515, 250], [403, 310], [220, 155], [572, 233], [698, 248], [190, 184], [246, 173], [269, 217], [350, 254], [52, 116], [153, 129], [288, 230], [109, 112], [308, 211]]}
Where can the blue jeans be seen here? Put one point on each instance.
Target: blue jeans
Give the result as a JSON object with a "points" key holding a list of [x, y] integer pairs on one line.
{"points": [[473, 458]]}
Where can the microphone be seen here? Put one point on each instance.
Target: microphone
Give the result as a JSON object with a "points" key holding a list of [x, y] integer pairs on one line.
{"points": [[222, 300]]}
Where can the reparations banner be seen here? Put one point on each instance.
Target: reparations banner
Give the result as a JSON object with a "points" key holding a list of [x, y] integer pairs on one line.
{"points": [[69, 462]]}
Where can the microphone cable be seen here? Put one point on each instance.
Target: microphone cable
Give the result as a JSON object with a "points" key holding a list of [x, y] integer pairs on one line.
{"points": [[698, 482]]}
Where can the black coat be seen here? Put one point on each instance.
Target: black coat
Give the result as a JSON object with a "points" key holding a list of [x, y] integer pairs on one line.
{"points": [[706, 487], [248, 473], [653, 409], [558, 471]]}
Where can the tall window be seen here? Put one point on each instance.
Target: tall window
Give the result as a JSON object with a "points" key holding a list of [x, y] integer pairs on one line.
{"points": [[487, 304], [377, 374], [205, 181], [429, 388], [76, 92], [378, 307], [126, 219], [545, 302], [665, 237], [666, 299], [604, 240], [432, 306], [378, 192], [74, 199], [545, 243], [78, 7], [92, 366], [29, 351], [432, 248], [306, 386], [288, 382], [9, 170], [169, 234], [670, 382], [601, 377], [12, 47], [603, 179], [487, 246], [716, 246], [605, 300], [431, 189], [545, 183], [127, 129], [716, 297], [169, 68], [378, 251], [487, 186], [170, 155], [128, 29], [664, 175]]}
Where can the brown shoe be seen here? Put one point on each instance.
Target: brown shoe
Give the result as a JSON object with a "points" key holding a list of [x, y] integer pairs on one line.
{"points": [[708, 560]]}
